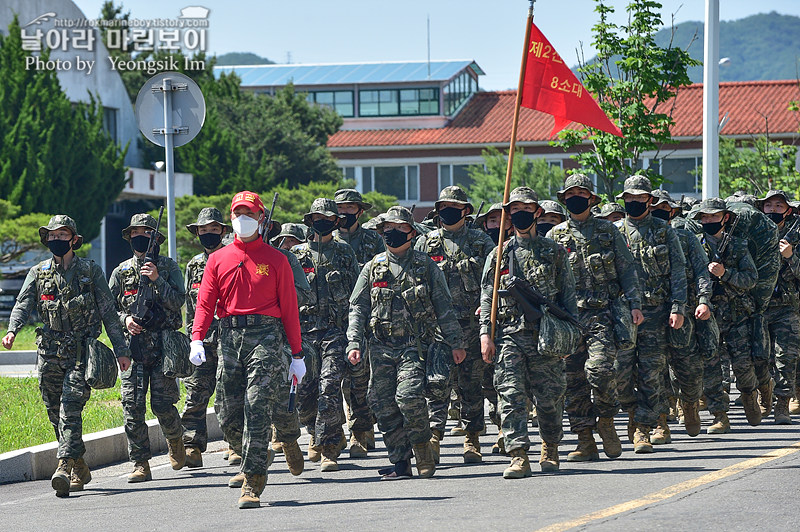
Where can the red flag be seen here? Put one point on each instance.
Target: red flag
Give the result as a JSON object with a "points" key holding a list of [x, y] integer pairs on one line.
{"points": [[551, 87]]}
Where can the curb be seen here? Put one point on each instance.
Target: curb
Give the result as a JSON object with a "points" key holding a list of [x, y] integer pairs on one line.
{"points": [[18, 358], [102, 448]]}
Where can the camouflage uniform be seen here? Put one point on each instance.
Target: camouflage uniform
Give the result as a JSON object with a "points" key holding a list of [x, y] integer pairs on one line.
{"points": [[71, 302], [661, 268], [460, 255], [520, 370], [732, 299], [604, 270], [201, 383], [610, 208], [146, 370], [331, 270], [392, 306]]}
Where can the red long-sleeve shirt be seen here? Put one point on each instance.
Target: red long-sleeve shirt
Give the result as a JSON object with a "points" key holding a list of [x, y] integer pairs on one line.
{"points": [[248, 278]]}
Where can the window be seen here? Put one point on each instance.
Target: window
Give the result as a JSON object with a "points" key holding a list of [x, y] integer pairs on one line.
{"points": [[339, 101], [679, 175], [110, 122], [349, 173], [399, 181], [458, 91], [398, 102], [454, 174]]}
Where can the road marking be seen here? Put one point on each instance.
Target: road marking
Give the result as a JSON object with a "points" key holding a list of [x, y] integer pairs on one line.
{"points": [[673, 490]]}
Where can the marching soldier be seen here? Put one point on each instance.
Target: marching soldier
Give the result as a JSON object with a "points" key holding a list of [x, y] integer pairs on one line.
{"points": [[289, 236], [72, 298], [734, 274], [553, 215], [490, 222], [399, 294], [520, 369], [460, 253], [147, 346], [604, 271], [612, 211], [661, 268], [782, 317]]}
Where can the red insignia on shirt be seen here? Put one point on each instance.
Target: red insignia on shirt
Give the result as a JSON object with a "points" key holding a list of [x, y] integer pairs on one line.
{"points": [[131, 292], [46, 297], [308, 270], [504, 272], [380, 284], [195, 285], [437, 258]]}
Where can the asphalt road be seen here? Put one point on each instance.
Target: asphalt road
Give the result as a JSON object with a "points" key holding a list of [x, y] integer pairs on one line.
{"points": [[745, 480]]}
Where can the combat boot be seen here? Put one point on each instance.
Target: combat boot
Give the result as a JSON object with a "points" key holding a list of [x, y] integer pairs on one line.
{"points": [[721, 424], [177, 453], [520, 465], [227, 453], [661, 434], [587, 448], [500, 446], [60, 479], [342, 444], [294, 457], [641, 440], [472, 448], [611, 444], [436, 440], [459, 429], [234, 458], [794, 406], [548, 461], [423, 453], [691, 418], [782, 416], [751, 409], [631, 424], [765, 399], [358, 445], [141, 472], [194, 458], [370, 439], [703, 405], [533, 417], [672, 416], [80, 475], [251, 491], [274, 443], [236, 481], [330, 453]]}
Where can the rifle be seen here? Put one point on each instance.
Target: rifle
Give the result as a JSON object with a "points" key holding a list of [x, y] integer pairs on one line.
{"points": [[144, 311], [480, 208], [531, 299], [792, 236], [292, 394], [414, 206], [268, 221], [724, 242]]}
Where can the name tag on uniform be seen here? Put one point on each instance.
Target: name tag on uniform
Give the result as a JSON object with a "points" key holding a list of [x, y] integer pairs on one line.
{"points": [[131, 292], [195, 285], [437, 258], [46, 297], [308, 270], [380, 284]]}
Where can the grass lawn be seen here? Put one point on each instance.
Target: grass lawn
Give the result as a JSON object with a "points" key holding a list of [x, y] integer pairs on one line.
{"points": [[23, 419], [26, 337]]}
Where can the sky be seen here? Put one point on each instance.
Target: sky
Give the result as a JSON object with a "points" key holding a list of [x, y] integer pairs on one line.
{"points": [[489, 31]]}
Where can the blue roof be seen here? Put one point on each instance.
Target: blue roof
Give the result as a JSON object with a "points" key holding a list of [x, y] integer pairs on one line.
{"points": [[347, 73]]}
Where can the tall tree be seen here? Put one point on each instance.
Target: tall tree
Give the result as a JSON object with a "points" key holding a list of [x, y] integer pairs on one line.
{"points": [[757, 166], [635, 82], [488, 179]]}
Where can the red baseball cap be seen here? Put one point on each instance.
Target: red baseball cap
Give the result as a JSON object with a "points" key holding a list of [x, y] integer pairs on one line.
{"points": [[248, 199]]}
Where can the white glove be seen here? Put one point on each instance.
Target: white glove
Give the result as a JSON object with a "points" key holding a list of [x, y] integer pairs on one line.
{"points": [[197, 353], [297, 369]]}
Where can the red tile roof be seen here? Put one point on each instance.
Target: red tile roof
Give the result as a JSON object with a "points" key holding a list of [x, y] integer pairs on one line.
{"points": [[487, 118]]}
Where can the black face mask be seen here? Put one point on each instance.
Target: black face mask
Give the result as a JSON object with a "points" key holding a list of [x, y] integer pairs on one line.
{"points": [[776, 217], [494, 234], [577, 204], [210, 240], [139, 243], [349, 220], [635, 208], [543, 228], [395, 238], [712, 228], [450, 215], [660, 213], [59, 248], [522, 220], [324, 227]]}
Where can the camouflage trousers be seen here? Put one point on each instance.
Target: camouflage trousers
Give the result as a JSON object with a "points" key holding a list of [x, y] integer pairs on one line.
{"points": [[251, 384], [354, 390], [397, 396], [640, 371], [685, 370], [490, 394], [591, 373], [164, 393], [706, 335], [783, 324], [64, 392], [519, 372], [200, 387], [331, 345], [735, 343], [287, 423], [468, 378], [761, 348]]}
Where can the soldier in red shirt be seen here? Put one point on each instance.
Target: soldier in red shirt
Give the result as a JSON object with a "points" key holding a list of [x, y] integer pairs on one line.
{"points": [[251, 286]]}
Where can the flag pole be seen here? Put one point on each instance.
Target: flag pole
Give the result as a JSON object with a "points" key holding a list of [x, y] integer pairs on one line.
{"points": [[512, 147]]}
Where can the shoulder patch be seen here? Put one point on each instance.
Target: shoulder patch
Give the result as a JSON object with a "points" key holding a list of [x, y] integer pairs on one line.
{"points": [[380, 257]]}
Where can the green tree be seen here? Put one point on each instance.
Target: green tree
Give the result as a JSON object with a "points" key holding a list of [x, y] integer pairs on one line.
{"points": [[55, 157], [635, 82], [20, 234], [757, 166], [488, 179]]}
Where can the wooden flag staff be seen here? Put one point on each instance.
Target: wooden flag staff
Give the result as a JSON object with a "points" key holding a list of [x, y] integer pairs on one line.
{"points": [[512, 147]]}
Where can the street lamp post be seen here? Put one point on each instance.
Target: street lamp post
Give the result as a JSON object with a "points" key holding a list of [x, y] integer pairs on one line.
{"points": [[711, 101]]}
